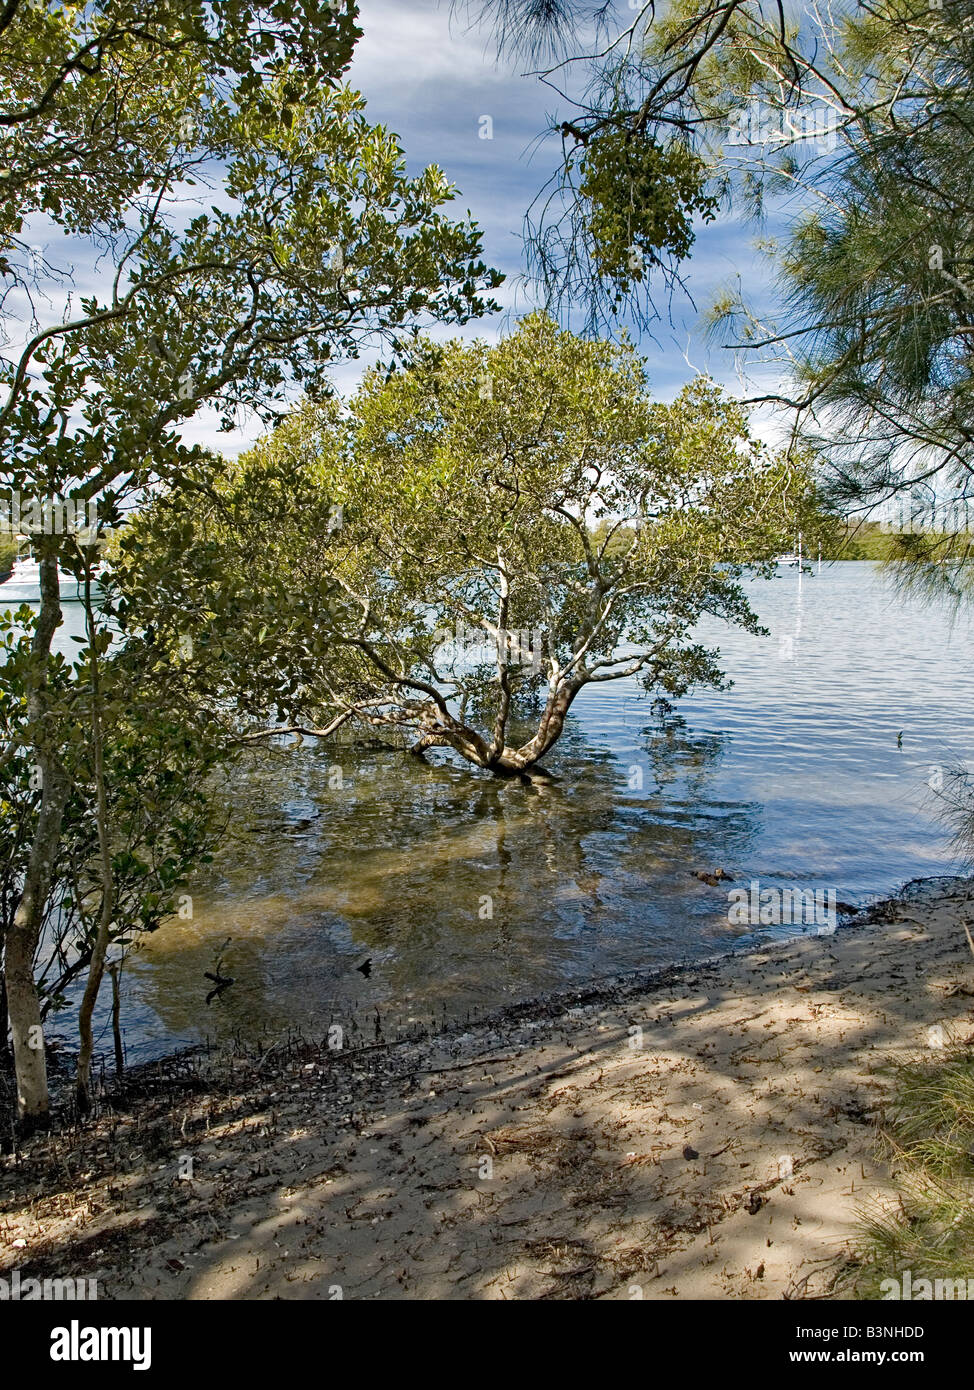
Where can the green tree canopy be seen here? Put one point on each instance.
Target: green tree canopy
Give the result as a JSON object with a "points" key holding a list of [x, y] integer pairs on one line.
{"points": [[310, 240], [851, 128], [517, 521]]}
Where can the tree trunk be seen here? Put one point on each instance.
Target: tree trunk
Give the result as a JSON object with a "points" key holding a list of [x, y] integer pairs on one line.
{"points": [[30, 1063], [438, 731], [96, 969], [4, 1016], [96, 973], [23, 1003], [515, 760], [115, 971]]}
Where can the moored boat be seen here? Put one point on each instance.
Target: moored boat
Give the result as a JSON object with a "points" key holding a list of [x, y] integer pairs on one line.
{"points": [[23, 585]]}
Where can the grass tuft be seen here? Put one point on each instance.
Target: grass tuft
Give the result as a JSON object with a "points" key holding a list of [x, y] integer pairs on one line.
{"points": [[929, 1138]]}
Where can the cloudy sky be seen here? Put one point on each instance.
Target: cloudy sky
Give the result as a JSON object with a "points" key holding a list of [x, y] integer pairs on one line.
{"points": [[440, 87], [432, 80]]}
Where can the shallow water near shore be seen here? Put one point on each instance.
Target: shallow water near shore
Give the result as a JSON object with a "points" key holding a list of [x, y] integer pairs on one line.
{"points": [[467, 893]]}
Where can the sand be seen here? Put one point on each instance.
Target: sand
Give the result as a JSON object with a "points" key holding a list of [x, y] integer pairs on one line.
{"points": [[709, 1132]]}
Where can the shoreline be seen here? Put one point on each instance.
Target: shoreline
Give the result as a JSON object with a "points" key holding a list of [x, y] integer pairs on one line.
{"points": [[702, 1130], [599, 987]]}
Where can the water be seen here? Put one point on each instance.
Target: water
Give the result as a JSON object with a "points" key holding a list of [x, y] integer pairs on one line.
{"points": [[467, 893]]}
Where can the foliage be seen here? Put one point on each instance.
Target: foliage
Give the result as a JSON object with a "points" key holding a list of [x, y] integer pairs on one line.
{"points": [[159, 765], [93, 95], [642, 197], [929, 1139], [517, 521], [316, 243], [853, 129]]}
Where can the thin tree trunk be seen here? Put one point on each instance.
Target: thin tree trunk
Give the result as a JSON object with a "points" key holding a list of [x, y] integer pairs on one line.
{"points": [[503, 667], [115, 971], [4, 1017], [96, 969], [30, 1063], [96, 973]]}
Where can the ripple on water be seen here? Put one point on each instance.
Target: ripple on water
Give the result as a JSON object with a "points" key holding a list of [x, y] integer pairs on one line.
{"points": [[465, 893]]}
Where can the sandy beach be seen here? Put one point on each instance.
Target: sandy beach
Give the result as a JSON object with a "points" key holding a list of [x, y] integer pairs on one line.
{"points": [[706, 1132]]}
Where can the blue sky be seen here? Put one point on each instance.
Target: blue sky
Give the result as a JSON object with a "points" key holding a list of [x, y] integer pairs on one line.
{"points": [[432, 80]]}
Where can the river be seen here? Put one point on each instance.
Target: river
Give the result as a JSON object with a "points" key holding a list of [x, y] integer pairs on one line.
{"points": [[465, 893]]}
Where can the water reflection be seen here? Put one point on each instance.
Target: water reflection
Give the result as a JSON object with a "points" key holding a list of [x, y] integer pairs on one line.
{"points": [[463, 891], [466, 892]]}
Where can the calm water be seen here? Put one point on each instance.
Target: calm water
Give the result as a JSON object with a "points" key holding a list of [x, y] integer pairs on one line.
{"points": [[466, 893]]}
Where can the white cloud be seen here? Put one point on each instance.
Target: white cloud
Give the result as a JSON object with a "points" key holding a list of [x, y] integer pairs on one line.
{"points": [[432, 82]]}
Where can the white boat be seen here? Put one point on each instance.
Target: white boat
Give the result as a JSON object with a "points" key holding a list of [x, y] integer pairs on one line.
{"points": [[793, 557], [23, 585]]}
